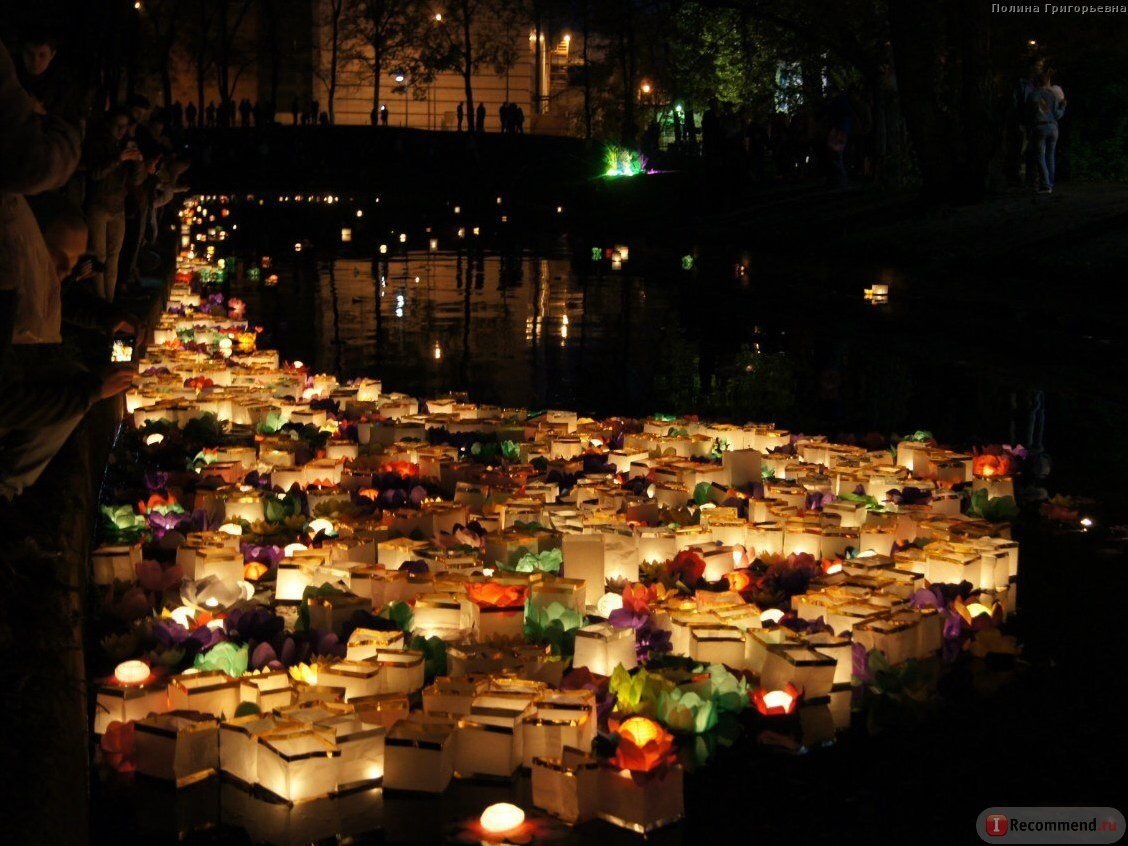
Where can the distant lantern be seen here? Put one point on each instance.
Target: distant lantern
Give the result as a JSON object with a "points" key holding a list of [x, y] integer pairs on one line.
{"points": [[346, 235]]}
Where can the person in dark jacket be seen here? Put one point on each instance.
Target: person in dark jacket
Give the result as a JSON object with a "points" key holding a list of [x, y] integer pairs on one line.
{"points": [[481, 114], [37, 153], [112, 169], [35, 433]]}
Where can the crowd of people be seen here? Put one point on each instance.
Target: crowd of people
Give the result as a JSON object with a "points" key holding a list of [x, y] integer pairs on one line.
{"points": [[82, 192]]}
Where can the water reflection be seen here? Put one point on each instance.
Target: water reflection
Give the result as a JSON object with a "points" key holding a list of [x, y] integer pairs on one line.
{"points": [[724, 330]]}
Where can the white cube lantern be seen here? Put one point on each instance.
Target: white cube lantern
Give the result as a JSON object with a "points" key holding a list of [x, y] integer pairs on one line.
{"points": [[641, 808], [401, 670], [212, 692], [268, 689], [357, 678], [365, 643], [180, 746], [571, 593], [811, 671], [841, 649], [124, 702], [566, 786], [759, 641], [115, 563], [560, 719], [489, 737], [452, 697], [717, 644], [419, 756], [360, 748], [297, 765], [601, 648], [238, 743], [898, 637]]}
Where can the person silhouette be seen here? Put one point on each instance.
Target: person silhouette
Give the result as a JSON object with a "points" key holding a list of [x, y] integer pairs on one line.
{"points": [[481, 115], [460, 113]]}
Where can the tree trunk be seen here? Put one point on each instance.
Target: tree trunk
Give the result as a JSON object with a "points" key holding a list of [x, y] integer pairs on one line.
{"points": [[468, 65], [377, 70], [334, 52], [587, 72], [951, 137], [626, 68]]}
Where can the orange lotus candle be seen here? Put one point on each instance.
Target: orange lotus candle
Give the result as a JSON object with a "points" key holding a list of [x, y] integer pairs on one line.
{"points": [[773, 703], [643, 746]]}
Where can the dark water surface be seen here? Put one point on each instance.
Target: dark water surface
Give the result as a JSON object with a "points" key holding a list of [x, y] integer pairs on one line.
{"points": [[534, 312]]}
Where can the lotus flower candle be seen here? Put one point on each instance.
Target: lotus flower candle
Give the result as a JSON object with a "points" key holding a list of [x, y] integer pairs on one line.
{"points": [[772, 703], [641, 789]]}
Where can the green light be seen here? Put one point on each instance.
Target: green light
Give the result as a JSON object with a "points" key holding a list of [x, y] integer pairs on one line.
{"points": [[619, 161], [596, 254], [687, 262]]}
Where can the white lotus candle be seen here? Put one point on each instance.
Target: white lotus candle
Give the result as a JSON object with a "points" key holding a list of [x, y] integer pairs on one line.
{"points": [[132, 672]]}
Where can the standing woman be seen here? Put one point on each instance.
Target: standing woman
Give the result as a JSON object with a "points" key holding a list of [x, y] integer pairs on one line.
{"points": [[1045, 108]]}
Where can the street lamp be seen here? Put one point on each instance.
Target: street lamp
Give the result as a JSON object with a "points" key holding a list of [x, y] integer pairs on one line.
{"points": [[400, 81], [646, 88]]}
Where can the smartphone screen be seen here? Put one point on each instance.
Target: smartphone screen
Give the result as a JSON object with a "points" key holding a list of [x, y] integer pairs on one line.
{"points": [[122, 350]]}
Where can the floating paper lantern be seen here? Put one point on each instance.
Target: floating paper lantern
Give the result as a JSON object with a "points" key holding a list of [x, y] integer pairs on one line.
{"points": [[601, 648], [132, 672], [772, 703], [501, 820], [297, 766], [608, 603]]}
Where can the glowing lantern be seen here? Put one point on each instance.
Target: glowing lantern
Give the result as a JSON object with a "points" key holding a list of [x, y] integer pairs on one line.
{"points": [[321, 525], [772, 615], [739, 580], [132, 672], [609, 602], [184, 615], [254, 570], [231, 529], [501, 819], [154, 439], [299, 765], [644, 746], [772, 703]]}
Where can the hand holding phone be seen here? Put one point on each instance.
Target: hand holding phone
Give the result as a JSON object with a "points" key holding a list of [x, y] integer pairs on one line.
{"points": [[122, 350]]}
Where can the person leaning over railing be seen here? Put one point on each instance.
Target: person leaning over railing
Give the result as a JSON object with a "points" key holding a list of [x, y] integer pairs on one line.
{"points": [[38, 406]]}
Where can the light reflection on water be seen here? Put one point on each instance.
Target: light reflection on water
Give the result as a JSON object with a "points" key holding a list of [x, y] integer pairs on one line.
{"points": [[731, 338]]}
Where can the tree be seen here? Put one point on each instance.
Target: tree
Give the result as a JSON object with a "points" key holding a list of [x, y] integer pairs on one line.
{"points": [[159, 22], [268, 20], [200, 25], [232, 50], [382, 34], [331, 23], [941, 53], [468, 38]]}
